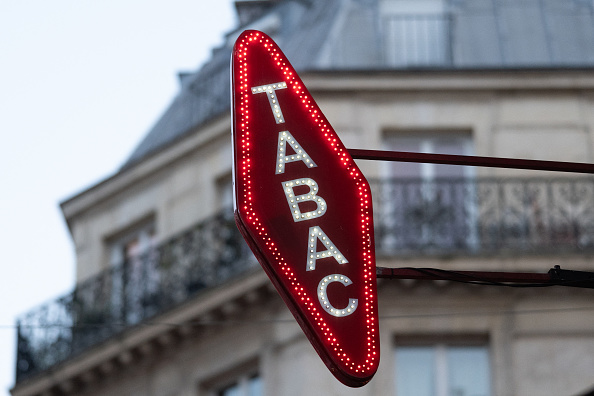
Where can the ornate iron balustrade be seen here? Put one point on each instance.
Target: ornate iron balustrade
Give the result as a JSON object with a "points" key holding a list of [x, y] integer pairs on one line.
{"points": [[412, 217], [208, 255], [452, 217]]}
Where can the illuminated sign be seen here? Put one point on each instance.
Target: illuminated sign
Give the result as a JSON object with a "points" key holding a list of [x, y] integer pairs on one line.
{"points": [[304, 207]]}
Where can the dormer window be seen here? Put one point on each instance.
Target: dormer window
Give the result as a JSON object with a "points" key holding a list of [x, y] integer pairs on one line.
{"points": [[416, 33], [250, 10]]}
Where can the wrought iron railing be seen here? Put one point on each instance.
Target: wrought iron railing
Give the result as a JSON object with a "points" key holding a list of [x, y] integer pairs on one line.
{"points": [[468, 216], [208, 255], [412, 217]]}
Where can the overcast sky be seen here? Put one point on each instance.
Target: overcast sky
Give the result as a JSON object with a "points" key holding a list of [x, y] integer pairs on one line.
{"points": [[81, 82]]}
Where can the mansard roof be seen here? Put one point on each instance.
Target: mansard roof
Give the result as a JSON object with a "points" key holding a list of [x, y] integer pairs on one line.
{"points": [[374, 35]]}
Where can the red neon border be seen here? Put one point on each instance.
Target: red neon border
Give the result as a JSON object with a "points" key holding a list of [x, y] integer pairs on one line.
{"points": [[352, 373]]}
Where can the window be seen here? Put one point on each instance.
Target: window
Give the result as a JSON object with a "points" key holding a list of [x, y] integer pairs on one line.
{"points": [[238, 382], [416, 33], [426, 207], [135, 274], [224, 191], [244, 386], [446, 142], [442, 370], [131, 245], [125, 291]]}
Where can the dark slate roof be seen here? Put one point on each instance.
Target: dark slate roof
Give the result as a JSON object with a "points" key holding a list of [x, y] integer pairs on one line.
{"points": [[203, 96], [296, 26], [354, 35]]}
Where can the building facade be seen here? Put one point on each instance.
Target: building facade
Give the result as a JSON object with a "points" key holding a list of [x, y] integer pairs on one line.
{"points": [[169, 300]]}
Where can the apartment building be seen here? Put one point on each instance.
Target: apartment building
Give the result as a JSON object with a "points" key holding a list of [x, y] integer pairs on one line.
{"points": [[170, 301]]}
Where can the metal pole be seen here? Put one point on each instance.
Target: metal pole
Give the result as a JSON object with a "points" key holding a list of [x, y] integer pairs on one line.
{"points": [[464, 276], [555, 276], [468, 160]]}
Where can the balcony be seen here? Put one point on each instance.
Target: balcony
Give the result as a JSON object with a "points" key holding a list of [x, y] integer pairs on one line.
{"points": [[443, 217], [208, 255], [483, 217]]}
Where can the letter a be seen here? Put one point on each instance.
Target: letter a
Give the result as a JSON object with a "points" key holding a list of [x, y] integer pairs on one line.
{"points": [[315, 234], [282, 158]]}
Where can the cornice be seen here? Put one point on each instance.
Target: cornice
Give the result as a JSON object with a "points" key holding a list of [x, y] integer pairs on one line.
{"points": [[428, 80], [123, 179]]}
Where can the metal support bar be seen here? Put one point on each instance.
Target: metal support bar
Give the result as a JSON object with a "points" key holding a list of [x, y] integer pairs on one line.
{"points": [[491, 162], [555, 276], [572, 278], [435, 274]]}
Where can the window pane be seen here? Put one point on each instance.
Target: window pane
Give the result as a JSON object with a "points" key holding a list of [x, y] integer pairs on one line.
{"points": [[417, 39], [404, 169], [415, 371], [232, 390], [454, 146], [468, 371], [456, 143], [255, 386]]}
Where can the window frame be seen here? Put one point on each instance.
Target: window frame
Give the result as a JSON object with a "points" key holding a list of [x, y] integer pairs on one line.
{"points": [[441, 346], [132, 270], [457, 141], [239, 375], [243, 384]]}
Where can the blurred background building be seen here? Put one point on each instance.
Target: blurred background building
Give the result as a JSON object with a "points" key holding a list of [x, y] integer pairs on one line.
{"points": [[169, 300]]}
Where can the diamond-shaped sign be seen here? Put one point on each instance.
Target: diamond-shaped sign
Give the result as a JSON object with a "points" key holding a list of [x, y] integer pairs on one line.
{"points": [[304, 207]]}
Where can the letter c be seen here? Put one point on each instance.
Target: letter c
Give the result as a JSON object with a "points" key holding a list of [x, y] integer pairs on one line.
{"points": [[323, 296]]}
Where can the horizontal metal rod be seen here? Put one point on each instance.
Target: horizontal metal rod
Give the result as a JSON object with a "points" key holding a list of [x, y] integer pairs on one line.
{"points": [[464, 276], [468, 160], [555, 276]]}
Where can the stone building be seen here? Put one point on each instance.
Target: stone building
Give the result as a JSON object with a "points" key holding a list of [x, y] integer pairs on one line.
{"points": [[169, 301]]}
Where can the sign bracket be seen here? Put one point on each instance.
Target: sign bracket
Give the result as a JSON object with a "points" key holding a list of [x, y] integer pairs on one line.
{"points": [[555, 277], [468, 160]]}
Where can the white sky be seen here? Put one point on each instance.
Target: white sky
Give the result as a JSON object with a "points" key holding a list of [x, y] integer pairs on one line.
{"points": [[81, 82]]}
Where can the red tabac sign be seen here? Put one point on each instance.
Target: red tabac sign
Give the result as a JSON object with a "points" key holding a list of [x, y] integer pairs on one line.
{"points": [[304, 208]]}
